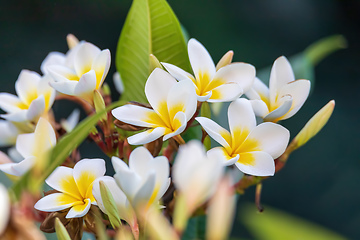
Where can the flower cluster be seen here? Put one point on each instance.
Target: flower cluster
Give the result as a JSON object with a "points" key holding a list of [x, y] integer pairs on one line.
{"points": [[171, 173]]}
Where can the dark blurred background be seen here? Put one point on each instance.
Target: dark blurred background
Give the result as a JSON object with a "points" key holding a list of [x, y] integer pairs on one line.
{"points": [[320, 181]]}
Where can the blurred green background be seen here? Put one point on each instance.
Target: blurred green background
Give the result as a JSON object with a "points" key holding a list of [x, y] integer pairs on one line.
{"points": [[320, 181]]}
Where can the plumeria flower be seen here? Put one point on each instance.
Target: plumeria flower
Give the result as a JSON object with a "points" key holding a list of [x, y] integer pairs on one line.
{"points": [[226, 84], [86, 74], [196, 174], [35, 98], [173, 103], [283, 98], [125, 210], [252, 148], [74, 186], [145, 180], [31, 147]]}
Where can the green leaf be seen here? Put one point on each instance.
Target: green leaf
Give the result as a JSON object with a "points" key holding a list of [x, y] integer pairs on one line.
{"points": [[151, 27], [195, 229], [274, 224], [60, 230], [110, 205], [59, 153]]}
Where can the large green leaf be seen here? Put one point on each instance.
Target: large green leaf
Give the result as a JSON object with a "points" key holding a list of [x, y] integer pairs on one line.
{"points": [[59, 153], [151, 27], [274, 224]]}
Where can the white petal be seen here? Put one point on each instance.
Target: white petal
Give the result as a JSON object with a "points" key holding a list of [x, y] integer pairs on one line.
{"points": [[200, 59], [215, 131], [45, 89], [84, 58], [144, 193], [26, 85], [10, 103], [177, 72], [286, 102], [119, 165], [272, 138], [53, 58], [299, 91], [241, 73], [241, 116], [263, 164], [147, 136], [134, 115], [25, 144], [79, 210], [281, 74], [180, 122], [101, 66], [204, 98], [54, 202], [8, 133], [62, 179], [67, 87], [86, 85], [222, 154], [14, 155], [4, 208], [86, 171], [260, 108], [18, 169], [70, 123], [182, 94], [162, 171], [128, 181], [18, 117], [226, 92], [36, 109], [157, 88], [258, 91], [62, 74], [44, 135], [140, 161], [118, 83]]}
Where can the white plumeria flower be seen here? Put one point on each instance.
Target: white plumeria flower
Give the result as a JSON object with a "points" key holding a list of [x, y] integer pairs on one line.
{"points": [[86, 74], [283, 98], [4, 208], [145, 180], [125, 210], [174, 103], [226, 84], [31, 147], [196, 174], [35, 98], [74, 186], [252, 148]]}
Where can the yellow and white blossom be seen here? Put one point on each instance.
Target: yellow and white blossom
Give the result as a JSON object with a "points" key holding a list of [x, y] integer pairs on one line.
{"points": [[9, 133], [145, 180], [174, 103], [34, 98], [4, 208], [225, 84], [74, 186], [252, 148], [283, 98], [82, 71], [31, 146], [196, 174]]}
